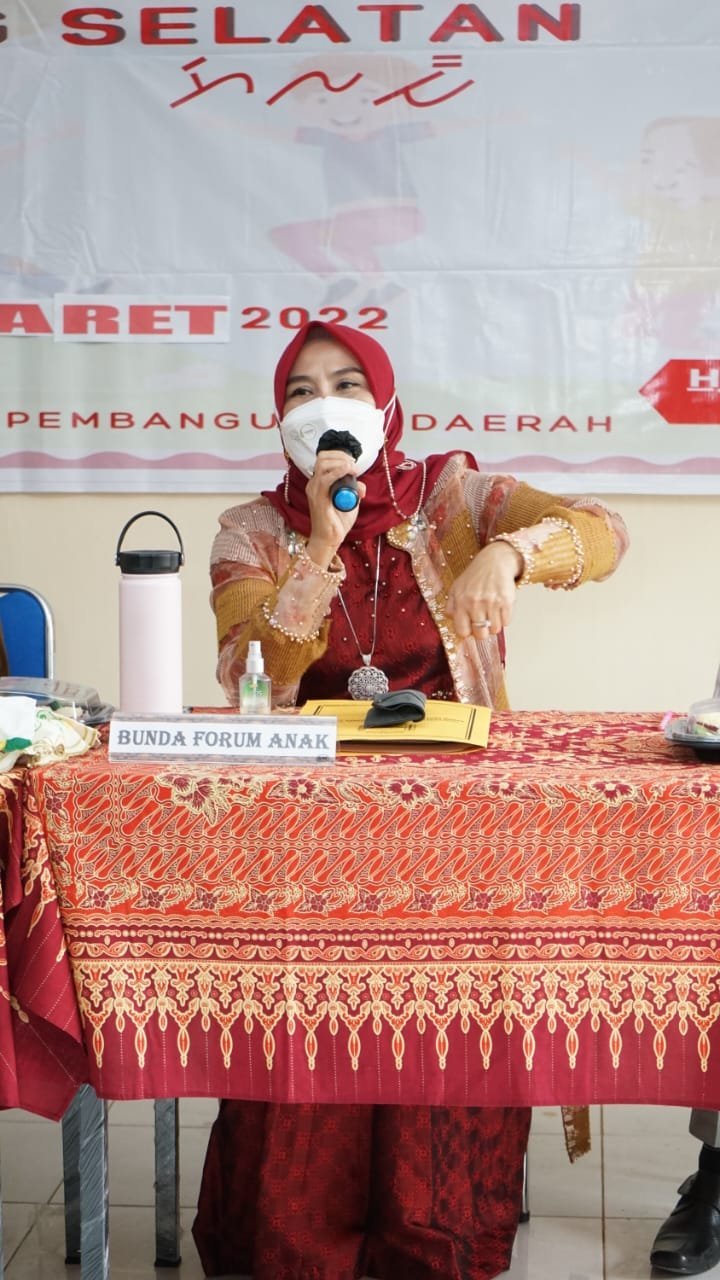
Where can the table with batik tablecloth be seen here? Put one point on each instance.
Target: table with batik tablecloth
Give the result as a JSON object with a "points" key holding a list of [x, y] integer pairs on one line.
{"points": [[534, 923], [530, 924]]}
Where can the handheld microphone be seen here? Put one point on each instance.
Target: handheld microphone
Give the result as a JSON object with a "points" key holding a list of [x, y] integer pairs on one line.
{"points": [[344, 491]]}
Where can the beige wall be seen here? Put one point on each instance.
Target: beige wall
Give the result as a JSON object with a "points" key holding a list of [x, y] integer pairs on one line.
{"points": [[648, 639]]}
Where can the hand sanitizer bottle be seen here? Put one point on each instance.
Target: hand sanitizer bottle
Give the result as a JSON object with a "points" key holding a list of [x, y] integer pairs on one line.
{"points": [[254, 684]]}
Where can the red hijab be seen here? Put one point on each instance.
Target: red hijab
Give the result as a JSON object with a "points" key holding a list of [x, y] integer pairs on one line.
{"points": [[377, 513]]}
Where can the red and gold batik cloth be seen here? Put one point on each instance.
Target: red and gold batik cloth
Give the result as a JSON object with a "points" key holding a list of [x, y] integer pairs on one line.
{"points": [[532, 924], [42, 1058]]}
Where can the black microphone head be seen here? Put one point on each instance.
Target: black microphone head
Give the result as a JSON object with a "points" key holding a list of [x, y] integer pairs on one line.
{"points": [[343, 440]]}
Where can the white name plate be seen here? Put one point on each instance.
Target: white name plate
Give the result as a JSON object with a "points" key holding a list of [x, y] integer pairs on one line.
{"points": [[223, 738]]}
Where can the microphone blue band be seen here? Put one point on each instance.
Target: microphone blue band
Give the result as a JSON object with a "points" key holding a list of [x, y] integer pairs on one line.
{"points": [[343, 495]]}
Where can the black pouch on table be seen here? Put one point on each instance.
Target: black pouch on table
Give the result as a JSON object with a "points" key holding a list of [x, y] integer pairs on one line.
{"points": [[395, 708]]}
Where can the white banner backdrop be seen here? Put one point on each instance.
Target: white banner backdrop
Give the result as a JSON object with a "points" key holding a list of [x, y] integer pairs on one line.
{"points": [[520, 201]]}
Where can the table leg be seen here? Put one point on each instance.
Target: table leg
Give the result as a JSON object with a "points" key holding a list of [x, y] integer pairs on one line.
{"points": [[525, 1206], [71, 1178], [94, 1242], [167, 1183]]}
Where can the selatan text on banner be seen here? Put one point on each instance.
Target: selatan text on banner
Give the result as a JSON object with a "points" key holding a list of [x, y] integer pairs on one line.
{"points": [[521, 201]]}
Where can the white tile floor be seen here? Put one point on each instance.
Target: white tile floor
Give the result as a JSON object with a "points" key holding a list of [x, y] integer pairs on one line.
{"points": [[591, 1221]]}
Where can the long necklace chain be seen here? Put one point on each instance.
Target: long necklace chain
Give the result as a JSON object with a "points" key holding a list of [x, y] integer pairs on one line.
{"points": [[366, 657], [404, 515], [368, 681]]}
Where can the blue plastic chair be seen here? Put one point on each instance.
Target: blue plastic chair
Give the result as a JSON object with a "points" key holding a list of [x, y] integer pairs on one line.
{"points": [[26, 621]]}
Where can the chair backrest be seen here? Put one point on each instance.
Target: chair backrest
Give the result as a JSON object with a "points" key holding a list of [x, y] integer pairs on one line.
{"points": [[27, 626]]}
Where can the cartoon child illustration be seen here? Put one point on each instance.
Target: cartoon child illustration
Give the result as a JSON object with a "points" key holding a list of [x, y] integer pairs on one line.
{"points": [[676, 289], [369, 200]]}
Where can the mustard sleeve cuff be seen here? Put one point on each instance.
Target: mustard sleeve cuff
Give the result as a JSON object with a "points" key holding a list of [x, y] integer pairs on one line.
{"points": [[552, 553], [590, 531]]}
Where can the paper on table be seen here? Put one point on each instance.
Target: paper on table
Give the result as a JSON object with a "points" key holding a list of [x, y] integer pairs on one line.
{"points": [[460, 724]]}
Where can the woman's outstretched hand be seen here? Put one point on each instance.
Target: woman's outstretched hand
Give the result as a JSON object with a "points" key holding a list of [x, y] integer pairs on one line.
{"points": [[485, 592], [330, 527]]}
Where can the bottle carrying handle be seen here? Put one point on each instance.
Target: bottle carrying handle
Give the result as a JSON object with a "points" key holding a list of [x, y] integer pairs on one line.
{"points": [[132, 520]]}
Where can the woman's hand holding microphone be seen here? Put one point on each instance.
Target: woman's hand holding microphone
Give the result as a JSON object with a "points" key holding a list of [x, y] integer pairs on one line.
{"points": [[330, 526]]}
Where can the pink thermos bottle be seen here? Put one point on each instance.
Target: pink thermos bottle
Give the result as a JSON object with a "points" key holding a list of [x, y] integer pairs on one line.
{"points": [[150, 627]]}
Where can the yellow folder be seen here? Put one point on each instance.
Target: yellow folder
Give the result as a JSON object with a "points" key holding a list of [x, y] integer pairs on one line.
{"points": [[450, 725]]}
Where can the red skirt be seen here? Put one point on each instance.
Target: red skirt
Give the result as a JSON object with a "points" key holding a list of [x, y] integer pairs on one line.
{"points": [[338, 1192]]}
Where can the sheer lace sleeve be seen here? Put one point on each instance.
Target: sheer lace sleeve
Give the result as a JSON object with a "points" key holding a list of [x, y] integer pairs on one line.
{"points": [[264, 587]]}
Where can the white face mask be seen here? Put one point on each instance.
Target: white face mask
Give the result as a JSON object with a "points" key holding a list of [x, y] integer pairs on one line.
{"points": [[303, 426]]}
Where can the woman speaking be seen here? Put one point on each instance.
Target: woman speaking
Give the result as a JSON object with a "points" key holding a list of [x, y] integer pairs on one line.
{"points": [[410, 587]]}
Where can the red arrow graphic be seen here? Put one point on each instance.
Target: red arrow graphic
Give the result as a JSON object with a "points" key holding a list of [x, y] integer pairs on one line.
{"points": [[686, 392]]}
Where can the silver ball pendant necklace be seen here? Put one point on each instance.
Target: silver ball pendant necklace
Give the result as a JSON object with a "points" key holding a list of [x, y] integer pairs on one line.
{"points": [[367, 682]]}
